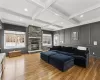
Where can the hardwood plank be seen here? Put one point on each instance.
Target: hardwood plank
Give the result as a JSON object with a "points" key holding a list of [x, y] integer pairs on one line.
{"points": [[31, 67]]}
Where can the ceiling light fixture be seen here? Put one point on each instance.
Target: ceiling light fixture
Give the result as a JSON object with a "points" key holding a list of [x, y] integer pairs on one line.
{"points": [[21, 19], [56, 14], [62, 23], [81, 16], [26, 9]]}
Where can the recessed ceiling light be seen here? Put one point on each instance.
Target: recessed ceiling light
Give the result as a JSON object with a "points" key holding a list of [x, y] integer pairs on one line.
{"points": [[62, 23], [56, 14], [81, 16], [26, 9], [21, 19]]}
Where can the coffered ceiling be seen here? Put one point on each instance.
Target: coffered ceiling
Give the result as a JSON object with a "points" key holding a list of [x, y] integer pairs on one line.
{"points": [[50, 14]]}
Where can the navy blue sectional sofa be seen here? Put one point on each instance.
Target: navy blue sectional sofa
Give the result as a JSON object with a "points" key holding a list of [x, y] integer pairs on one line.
{"points": [[64, 58]]}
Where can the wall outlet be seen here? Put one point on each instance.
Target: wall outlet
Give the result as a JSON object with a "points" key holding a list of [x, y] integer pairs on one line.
{"points": [[93, 53]]}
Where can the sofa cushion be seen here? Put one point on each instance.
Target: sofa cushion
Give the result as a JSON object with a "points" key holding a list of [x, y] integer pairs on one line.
{"points": [[62, 62], [65, 53], [45, 55], [79, 57], [67, 49], [48, 53], [56, 48], [74, 49], [80, 52], [61, 57]]}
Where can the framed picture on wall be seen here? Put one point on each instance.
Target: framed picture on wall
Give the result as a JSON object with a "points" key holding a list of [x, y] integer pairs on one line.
{"points": [[75, 35]]}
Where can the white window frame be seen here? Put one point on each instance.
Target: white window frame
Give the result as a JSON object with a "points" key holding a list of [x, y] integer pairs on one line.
{"points": [[47, 45], [14, 32]]}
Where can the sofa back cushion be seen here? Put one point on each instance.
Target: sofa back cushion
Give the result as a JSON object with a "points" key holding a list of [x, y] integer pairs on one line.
{"points": [[81, 52], [65, 53], [67, 49], [56, 48]]}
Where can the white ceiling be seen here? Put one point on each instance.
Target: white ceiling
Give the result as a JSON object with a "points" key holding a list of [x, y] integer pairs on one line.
{"points": [[50, 14]]}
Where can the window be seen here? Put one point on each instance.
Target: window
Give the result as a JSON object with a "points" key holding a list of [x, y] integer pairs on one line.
{"points": [[56, 39], [14, 39], [47, 40]]}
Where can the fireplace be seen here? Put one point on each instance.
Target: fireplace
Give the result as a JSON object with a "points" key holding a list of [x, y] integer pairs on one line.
{"points": [[34, 40], [34, 44]]}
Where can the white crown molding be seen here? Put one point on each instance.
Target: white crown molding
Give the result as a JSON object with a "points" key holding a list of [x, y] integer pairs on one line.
{"points": [[13, 22]]}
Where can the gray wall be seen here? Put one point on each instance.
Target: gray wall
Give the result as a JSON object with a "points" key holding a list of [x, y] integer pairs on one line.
{"points": [[87, 34]]}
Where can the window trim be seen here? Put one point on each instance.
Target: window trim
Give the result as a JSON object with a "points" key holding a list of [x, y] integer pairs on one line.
{"points": [[14, 47], [48, 45]]}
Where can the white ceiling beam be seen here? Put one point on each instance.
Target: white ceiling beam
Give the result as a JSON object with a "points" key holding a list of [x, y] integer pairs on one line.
{"points": [[53, 24], [46, 6], [61, 13], [85, 11], [37, 2], [49, 29], [38, 20], [14, 13]]}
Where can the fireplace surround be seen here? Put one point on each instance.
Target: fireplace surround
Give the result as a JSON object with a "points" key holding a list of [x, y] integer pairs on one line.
{"points": [[35, 38]]}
